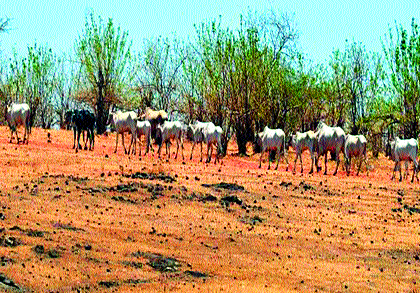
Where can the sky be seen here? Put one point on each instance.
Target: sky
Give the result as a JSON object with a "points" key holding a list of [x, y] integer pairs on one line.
{"points": [[323, 26]]}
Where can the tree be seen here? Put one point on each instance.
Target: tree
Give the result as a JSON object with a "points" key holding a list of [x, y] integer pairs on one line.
{"points": [[32, 80], [104, 54], [160, 70], [244, 75], [403, 59]]}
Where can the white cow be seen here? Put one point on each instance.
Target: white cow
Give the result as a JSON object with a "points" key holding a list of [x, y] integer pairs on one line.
{"points": [[329, 139], [17, 115], [302, 141], [355, 146], [273, 139], [143, 128], [167, 131], [212, 135], [391, 155], [124, 122], [405, 150], [195, 133]]}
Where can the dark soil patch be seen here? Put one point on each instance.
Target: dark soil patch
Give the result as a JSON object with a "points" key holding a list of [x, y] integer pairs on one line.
{"points": [[10, 241], [35, 233], [196, 274], [51, 253], [151, 176], [226, 186], [306, 186], [7, 282], [159, 262], [208, 197], [108, 284], [123, 199], [252, 220], [39, 249], [4, 260], [66, 227], [133, 264], [285, 184], [227, 200]]}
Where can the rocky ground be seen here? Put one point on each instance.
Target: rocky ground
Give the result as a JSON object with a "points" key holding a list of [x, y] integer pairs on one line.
{"points": [[104, 221]]}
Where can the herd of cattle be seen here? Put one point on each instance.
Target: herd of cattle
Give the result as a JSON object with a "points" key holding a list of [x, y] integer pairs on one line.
{"points": [[155, 125]]}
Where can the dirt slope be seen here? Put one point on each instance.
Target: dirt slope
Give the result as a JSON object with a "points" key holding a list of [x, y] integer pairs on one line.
{"points": [[100, 221]]}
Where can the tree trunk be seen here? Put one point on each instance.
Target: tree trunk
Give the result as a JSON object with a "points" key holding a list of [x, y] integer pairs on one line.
{"points": [[100, 106]]}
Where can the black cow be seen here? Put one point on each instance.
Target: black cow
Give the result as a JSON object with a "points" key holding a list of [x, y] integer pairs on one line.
{"points": [[82, 120]]}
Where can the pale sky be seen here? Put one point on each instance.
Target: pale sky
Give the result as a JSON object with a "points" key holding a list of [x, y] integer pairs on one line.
{"points": [[322, 25]]}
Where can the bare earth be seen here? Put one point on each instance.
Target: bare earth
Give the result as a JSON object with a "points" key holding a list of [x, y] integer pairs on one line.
{"points": [[100, 221]]}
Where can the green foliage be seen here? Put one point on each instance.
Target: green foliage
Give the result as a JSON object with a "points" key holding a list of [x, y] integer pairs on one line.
{"points": [[403, 59], [245, 78], [32, 79], [161, 64], [104, 53]]}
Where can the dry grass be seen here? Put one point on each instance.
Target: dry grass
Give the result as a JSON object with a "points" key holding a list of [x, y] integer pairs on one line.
{"points": [[81, 223]]}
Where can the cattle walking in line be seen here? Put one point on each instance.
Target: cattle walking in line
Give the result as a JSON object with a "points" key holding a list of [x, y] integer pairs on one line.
{"points": [[300, 142], [404, 150], [271, 139], [82, 120], [123, 122], [330, 139], [355, 147], [195, 134], [143, 128], [155, 117], [167, 131], [17, 115], [212, 135]]}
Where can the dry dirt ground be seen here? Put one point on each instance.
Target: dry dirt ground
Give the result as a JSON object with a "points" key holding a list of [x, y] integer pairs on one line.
{"points": [[99, 221]]}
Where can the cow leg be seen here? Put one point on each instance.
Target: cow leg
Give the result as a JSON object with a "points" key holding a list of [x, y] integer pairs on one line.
{"points": [[278, 159], [393, 172], [312, 163], [177, 148], [92, 139], [414, 171], [192, 149], [85, 139], [360, 166], [24, 135], [201, 151], [134, 142], [147, 144], [140, 147], [168, 149], [74, 136], [337, 157], [347, 165], [399, 166], [182, 147], [123, 143], [294, 167], [262, 152], [17, 136], [325, 163], [211, 153], [285, 153], [208, 153], [316, 163], [159, 150], [78, 140], [11, 135], [116, 142]]}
